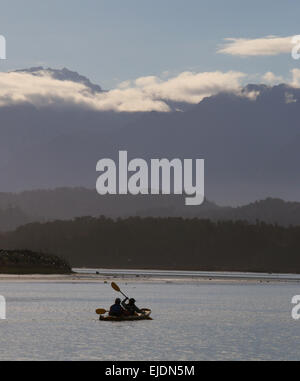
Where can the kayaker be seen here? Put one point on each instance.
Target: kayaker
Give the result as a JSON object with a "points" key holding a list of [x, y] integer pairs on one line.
{"points": [[116, 309], [130, 307]]}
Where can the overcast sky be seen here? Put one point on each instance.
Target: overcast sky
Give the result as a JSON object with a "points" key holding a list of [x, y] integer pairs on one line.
{"points": [[111, 41]]}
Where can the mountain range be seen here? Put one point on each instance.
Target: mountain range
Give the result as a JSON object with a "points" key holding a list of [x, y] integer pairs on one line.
{"points": [[250, 144], [69, 203]]}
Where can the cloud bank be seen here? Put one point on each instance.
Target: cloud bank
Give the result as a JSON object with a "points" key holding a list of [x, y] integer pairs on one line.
{"points": [[272, 79], [141, 95], [265, 46], [296, 78], [144, 94]]}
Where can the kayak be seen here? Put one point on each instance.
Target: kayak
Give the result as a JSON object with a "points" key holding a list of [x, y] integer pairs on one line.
{"points": [[145, 316]]}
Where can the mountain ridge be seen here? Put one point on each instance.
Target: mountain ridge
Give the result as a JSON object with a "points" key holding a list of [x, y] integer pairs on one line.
{"points": [[250, 144], [66, 204]]}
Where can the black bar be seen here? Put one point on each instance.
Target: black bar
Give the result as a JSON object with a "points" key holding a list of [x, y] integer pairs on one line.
{"points": [[134, 370]]}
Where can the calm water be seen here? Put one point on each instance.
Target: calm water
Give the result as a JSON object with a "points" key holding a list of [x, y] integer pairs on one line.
{"points": [[205, 321]]}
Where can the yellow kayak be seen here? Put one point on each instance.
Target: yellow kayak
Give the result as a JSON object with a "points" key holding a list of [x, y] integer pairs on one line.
{"points": [[145, 316]]}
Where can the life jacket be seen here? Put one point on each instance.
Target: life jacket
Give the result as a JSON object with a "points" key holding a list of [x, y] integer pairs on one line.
{"points": [[115, 310]]}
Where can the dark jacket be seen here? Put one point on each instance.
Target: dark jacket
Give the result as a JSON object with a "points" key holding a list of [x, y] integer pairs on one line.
{"points": [[131, 308], [115, 310]]}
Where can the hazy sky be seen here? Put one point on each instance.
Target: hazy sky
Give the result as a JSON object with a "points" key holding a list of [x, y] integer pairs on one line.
{"points": [[115, 40]]}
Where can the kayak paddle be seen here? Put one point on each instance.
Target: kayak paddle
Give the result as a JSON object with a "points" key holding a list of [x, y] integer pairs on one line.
{"points": [[100, 311], [117, 288]]}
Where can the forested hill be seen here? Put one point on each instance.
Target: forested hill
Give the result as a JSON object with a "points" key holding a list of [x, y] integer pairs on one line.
{"points": [[12, 217], [164, 243], [17, 209]]}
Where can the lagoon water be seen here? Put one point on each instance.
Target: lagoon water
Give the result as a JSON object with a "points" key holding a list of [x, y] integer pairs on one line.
{"points": [[199, 320]]}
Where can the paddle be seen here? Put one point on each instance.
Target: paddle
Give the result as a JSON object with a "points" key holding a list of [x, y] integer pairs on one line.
{"points": [[101, 311], [117, 288]]}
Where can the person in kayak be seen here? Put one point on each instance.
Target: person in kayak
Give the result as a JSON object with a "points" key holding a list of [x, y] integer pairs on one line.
{"points": [[130, 307], [116, 309]]}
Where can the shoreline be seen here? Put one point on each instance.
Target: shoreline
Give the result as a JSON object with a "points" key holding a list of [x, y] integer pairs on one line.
{"points": [[104, 276]]}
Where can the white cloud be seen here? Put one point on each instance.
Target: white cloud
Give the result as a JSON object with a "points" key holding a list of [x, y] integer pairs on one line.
{"points": [[271, 78], [251, 95], [188, 86], [295, 78], [144, 94], [265, 46]]}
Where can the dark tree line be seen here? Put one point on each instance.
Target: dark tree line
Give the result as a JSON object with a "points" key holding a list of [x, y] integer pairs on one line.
{"points": [[28, 262], [168, 243]]}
